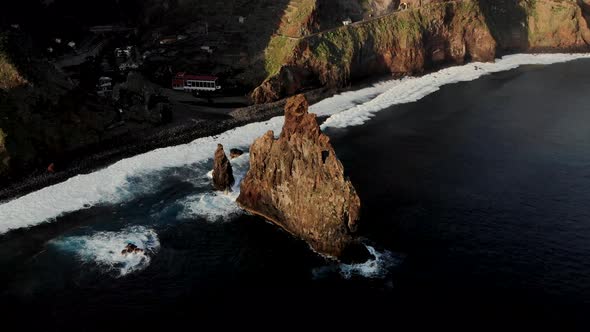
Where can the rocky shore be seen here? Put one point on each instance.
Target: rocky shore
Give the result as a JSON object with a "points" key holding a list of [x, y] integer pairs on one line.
{"points": [[100, 156], [282, 48]]}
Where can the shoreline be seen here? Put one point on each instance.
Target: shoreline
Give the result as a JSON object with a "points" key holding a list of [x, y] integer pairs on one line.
{"points": [[107, 153], [110, 153]]}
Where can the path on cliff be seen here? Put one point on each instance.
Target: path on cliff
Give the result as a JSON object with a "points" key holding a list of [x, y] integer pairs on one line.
{"points": [[357, 23]]}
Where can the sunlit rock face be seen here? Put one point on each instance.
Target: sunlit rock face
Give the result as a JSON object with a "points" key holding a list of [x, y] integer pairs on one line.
{"points": [[223, 176], [298, 183]]}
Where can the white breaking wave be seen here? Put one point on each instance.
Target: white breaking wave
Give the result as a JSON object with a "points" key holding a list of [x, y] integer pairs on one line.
{"points": [[377, 267], [411, 89], [215, 206], [104, 249], [111, 185]]}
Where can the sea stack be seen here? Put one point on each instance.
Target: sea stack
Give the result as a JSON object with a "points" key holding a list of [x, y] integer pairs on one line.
{"points": [[223, 176], [298, 183]]}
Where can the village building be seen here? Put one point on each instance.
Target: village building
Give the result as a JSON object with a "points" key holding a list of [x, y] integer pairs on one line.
{"points": [[185, 82], [168, 40], [105, 86], [124, 52]]}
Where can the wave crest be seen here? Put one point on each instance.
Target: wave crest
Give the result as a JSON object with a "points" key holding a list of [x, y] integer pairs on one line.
{"points": [[104, 249]]}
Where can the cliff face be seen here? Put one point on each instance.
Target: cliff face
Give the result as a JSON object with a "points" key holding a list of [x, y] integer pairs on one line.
{"points": [[421, 38], [541, 25], [407, 42], [298, 183]]}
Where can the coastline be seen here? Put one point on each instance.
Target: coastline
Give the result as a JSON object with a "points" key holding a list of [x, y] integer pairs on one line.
{"points": [[112, 151], [113, 184]]}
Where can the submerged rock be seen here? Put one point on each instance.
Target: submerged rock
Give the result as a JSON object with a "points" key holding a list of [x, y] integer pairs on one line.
{"points": [[298, 183], [234, 153], [223, 177], [131, 248]]}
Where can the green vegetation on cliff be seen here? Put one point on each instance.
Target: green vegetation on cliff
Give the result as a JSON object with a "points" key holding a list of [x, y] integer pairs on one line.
{"points": [[297, 18], [392, 34], [339, 46], [10, 77], [279, 51], [410, 41]]}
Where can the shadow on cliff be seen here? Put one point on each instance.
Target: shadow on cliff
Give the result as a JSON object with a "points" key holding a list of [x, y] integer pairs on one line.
{"points": [[508, 23]]}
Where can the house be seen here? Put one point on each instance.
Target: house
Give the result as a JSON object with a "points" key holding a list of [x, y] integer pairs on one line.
{"points": [[123, 52], [104, 87], [185, 82], [347, 21], [207, 49], [129, 65], [99, 29], [167, 40]]}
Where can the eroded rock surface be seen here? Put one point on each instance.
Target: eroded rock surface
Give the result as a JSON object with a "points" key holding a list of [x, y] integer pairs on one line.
{"points": [[223, 176], [298, 183]]}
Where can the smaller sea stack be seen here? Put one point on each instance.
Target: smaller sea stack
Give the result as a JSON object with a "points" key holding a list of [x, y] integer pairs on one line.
{"points": [[234, 153], [223, 176], [298, 183]]}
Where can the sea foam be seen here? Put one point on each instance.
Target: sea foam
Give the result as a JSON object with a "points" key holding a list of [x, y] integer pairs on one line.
{"points": [[215, 205], [346, 109], [104, 249], [378, 267]]}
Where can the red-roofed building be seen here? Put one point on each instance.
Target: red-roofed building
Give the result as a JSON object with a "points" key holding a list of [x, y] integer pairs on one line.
{"points": [[185, 82]]}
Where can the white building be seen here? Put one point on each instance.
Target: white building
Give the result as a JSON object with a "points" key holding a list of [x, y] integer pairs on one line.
{"points": [[104, 86]]}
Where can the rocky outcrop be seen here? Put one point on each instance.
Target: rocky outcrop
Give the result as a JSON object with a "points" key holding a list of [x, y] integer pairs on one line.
{"points": [[131, 248], [298, 183], [223, 176], [234, 153]]}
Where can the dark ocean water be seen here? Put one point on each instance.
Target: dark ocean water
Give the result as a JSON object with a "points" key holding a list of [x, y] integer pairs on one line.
{"points": [[477, 196]]}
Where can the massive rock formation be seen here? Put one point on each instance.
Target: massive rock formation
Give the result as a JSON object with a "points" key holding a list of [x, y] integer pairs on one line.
{"points": [[412, 41], [298, 183], [223, 176]]}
